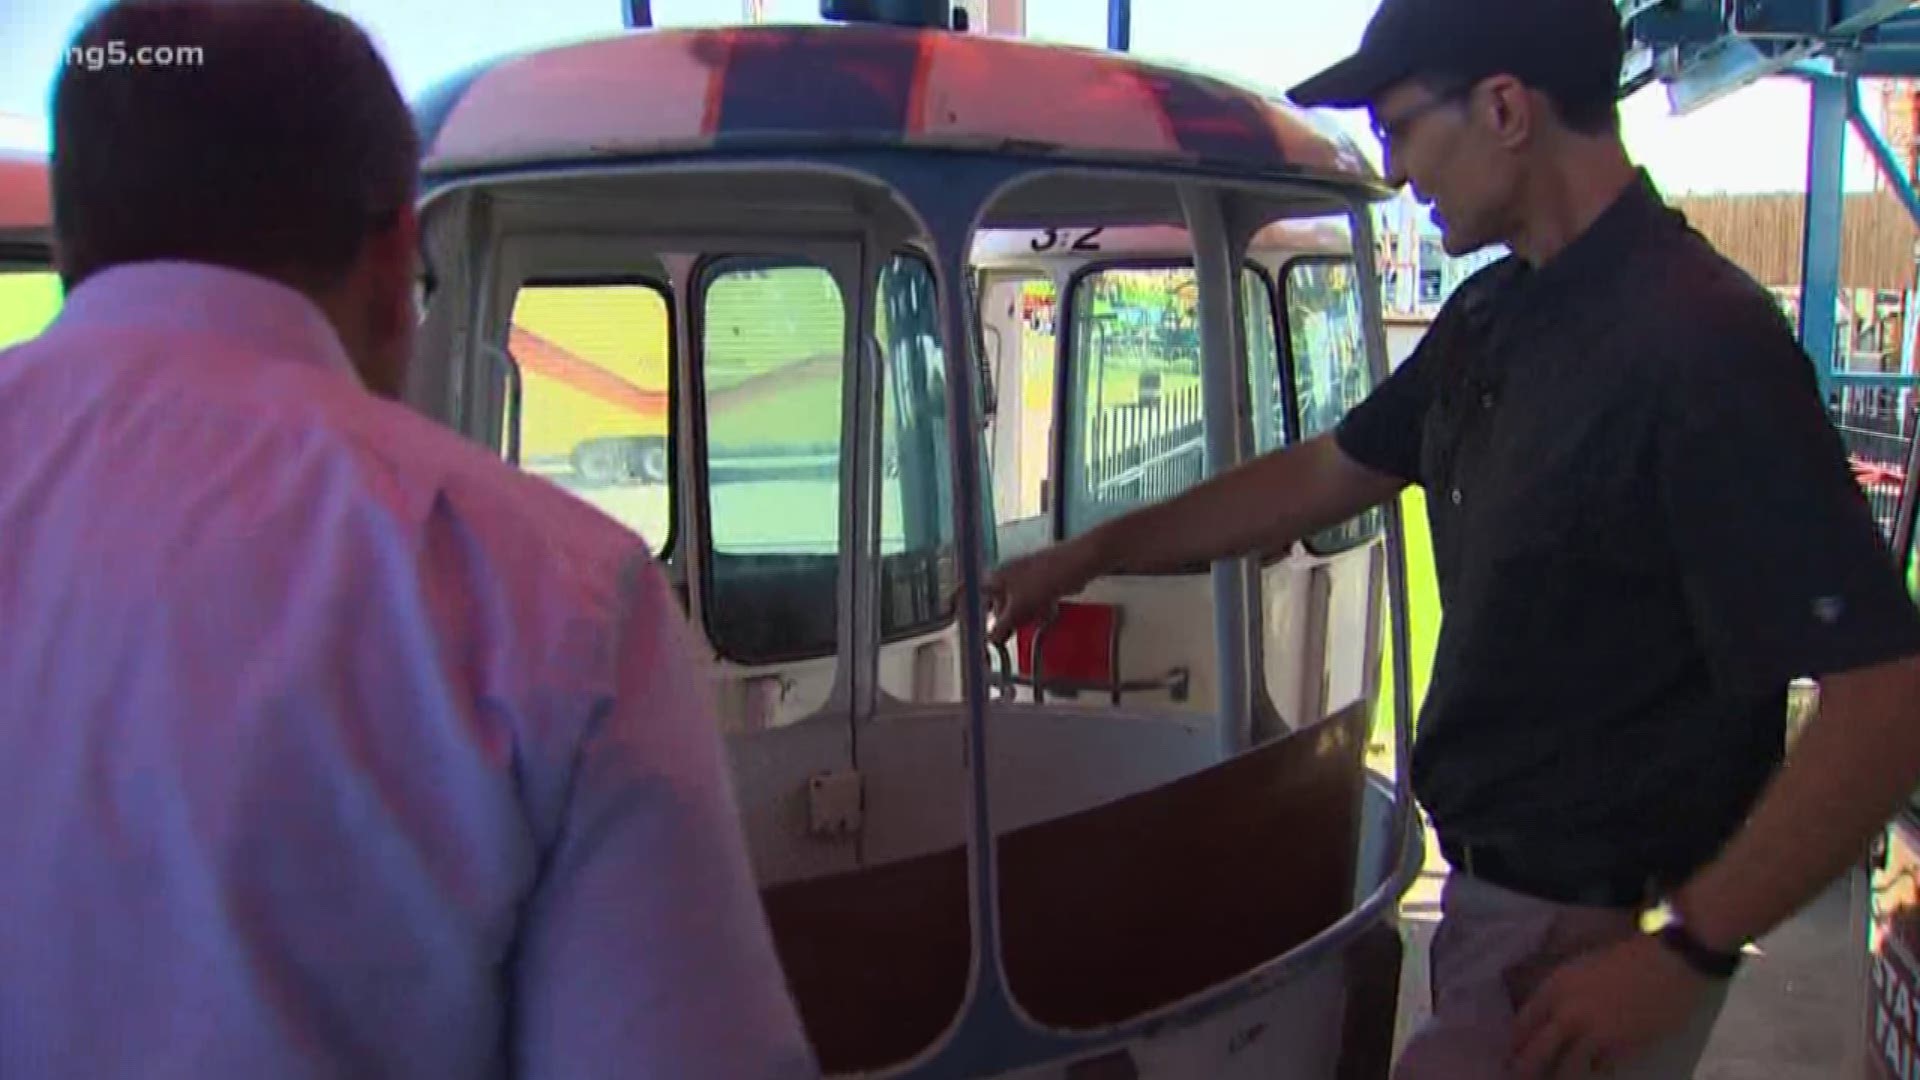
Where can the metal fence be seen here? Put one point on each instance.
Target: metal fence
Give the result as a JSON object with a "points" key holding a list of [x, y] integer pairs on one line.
{"points": [[1147, 451], [1886, 409], [1877, 428], [1155, 448]]}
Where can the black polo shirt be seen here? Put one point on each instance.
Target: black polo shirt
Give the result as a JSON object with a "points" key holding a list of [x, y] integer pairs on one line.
{"points": [[1644, 527]]}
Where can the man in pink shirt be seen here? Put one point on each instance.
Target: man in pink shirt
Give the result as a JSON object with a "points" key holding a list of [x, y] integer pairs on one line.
{"points": [[331, 745]]}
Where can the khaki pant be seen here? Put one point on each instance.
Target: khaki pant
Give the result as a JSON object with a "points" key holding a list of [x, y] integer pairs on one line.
{"points": [[1493, 948]]}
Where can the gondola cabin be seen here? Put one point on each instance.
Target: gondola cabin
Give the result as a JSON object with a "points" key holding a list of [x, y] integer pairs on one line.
{"points": [[838, 318], [1115, 403]]}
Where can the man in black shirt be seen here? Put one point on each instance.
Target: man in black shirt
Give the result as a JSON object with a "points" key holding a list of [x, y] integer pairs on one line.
{"points": [[1644, 528]]}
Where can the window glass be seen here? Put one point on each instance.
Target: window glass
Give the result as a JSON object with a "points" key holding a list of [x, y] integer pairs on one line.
{"points": [[916, 482], [1137, 436], [1017, 335], [595, 363], [1267, 398], [772, 343], [28, 302], [1327, 341]]}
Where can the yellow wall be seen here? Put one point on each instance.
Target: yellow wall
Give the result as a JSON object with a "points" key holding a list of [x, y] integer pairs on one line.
{"points": [[28, 301], [755, 324], [620, 328]]}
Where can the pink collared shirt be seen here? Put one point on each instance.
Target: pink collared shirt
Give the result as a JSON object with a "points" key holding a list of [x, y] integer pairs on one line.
{"points": [[332, 746]]}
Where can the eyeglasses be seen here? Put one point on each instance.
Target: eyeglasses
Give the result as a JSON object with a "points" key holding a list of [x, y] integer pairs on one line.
{"points": [[1391, 131]]}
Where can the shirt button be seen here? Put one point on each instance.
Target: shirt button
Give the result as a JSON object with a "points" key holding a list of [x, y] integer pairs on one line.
{"points": [[1456, 496], [1486, 400]]}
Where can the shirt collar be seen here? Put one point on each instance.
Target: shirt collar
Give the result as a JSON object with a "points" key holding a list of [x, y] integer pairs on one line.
{"points": [[1636, 211], [250, 310]]}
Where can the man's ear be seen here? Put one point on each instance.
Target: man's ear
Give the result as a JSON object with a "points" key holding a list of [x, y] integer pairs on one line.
{"points": [[1506, 108], [393, 256]]}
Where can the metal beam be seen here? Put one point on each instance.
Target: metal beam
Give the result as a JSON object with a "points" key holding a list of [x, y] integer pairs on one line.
{"points": [[1119, 24], [1779, 18], [1729, 65], [1900, 30], [1893, 379], [1688, 26], [638, 14], [1890, 166], [1831, 20], [1883, 64], [1888, 50], [1631, 9], [1820, 242], [1706, 49], [1221, 376], [1854, 16]]}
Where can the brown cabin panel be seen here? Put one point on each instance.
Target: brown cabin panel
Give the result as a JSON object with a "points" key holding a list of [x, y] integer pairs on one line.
{"points": [[1107, 913], [878, 958], [1121, 909], [1374, 959]]}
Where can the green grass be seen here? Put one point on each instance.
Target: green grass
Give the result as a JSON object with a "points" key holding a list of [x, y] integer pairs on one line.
{"points": [[1423, 610], [1424, 629]]}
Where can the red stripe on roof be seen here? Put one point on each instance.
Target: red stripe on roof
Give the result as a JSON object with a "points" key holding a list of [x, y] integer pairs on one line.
{"points": [[1148, 87], [718, 56], [916, 120]]}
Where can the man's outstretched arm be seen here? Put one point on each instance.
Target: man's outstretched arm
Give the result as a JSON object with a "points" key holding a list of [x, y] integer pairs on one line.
{"points": [[646, 950], [1263, 505]]}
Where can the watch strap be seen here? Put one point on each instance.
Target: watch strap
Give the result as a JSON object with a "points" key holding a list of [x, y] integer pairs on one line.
{"points": [[1710, 962]]}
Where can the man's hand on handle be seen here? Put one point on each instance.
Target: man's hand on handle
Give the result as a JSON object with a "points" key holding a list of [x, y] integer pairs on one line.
{"points": [[1264, 504], [1024, 589]]}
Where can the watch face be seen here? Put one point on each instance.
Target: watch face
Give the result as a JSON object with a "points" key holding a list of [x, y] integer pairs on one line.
{"points": [[1657, 918]]}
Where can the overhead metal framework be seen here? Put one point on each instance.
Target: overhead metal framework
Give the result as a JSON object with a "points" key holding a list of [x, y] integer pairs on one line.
{"points": [[1702, 50], [1705, 49]]}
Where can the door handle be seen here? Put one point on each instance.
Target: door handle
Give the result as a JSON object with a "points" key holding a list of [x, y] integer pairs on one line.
{"points": [[509, 370]]}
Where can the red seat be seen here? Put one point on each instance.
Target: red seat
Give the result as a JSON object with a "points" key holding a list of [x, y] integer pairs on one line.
{"points": [[1078, 647], [1081, 641]]}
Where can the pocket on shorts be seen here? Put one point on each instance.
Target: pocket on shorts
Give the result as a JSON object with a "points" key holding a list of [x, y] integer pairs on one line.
{"points": [[1486, 948], [1566, 933]]}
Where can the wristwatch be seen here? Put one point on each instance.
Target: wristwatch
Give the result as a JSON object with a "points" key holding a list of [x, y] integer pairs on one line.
{"points": [[1673, 933]]}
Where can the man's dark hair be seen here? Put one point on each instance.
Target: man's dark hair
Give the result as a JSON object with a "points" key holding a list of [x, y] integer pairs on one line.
{"points": [[263, 135], [1586, 110]]}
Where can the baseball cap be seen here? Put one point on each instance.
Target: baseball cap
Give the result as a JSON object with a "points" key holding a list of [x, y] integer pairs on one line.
{"points": [[1571, 47]]}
